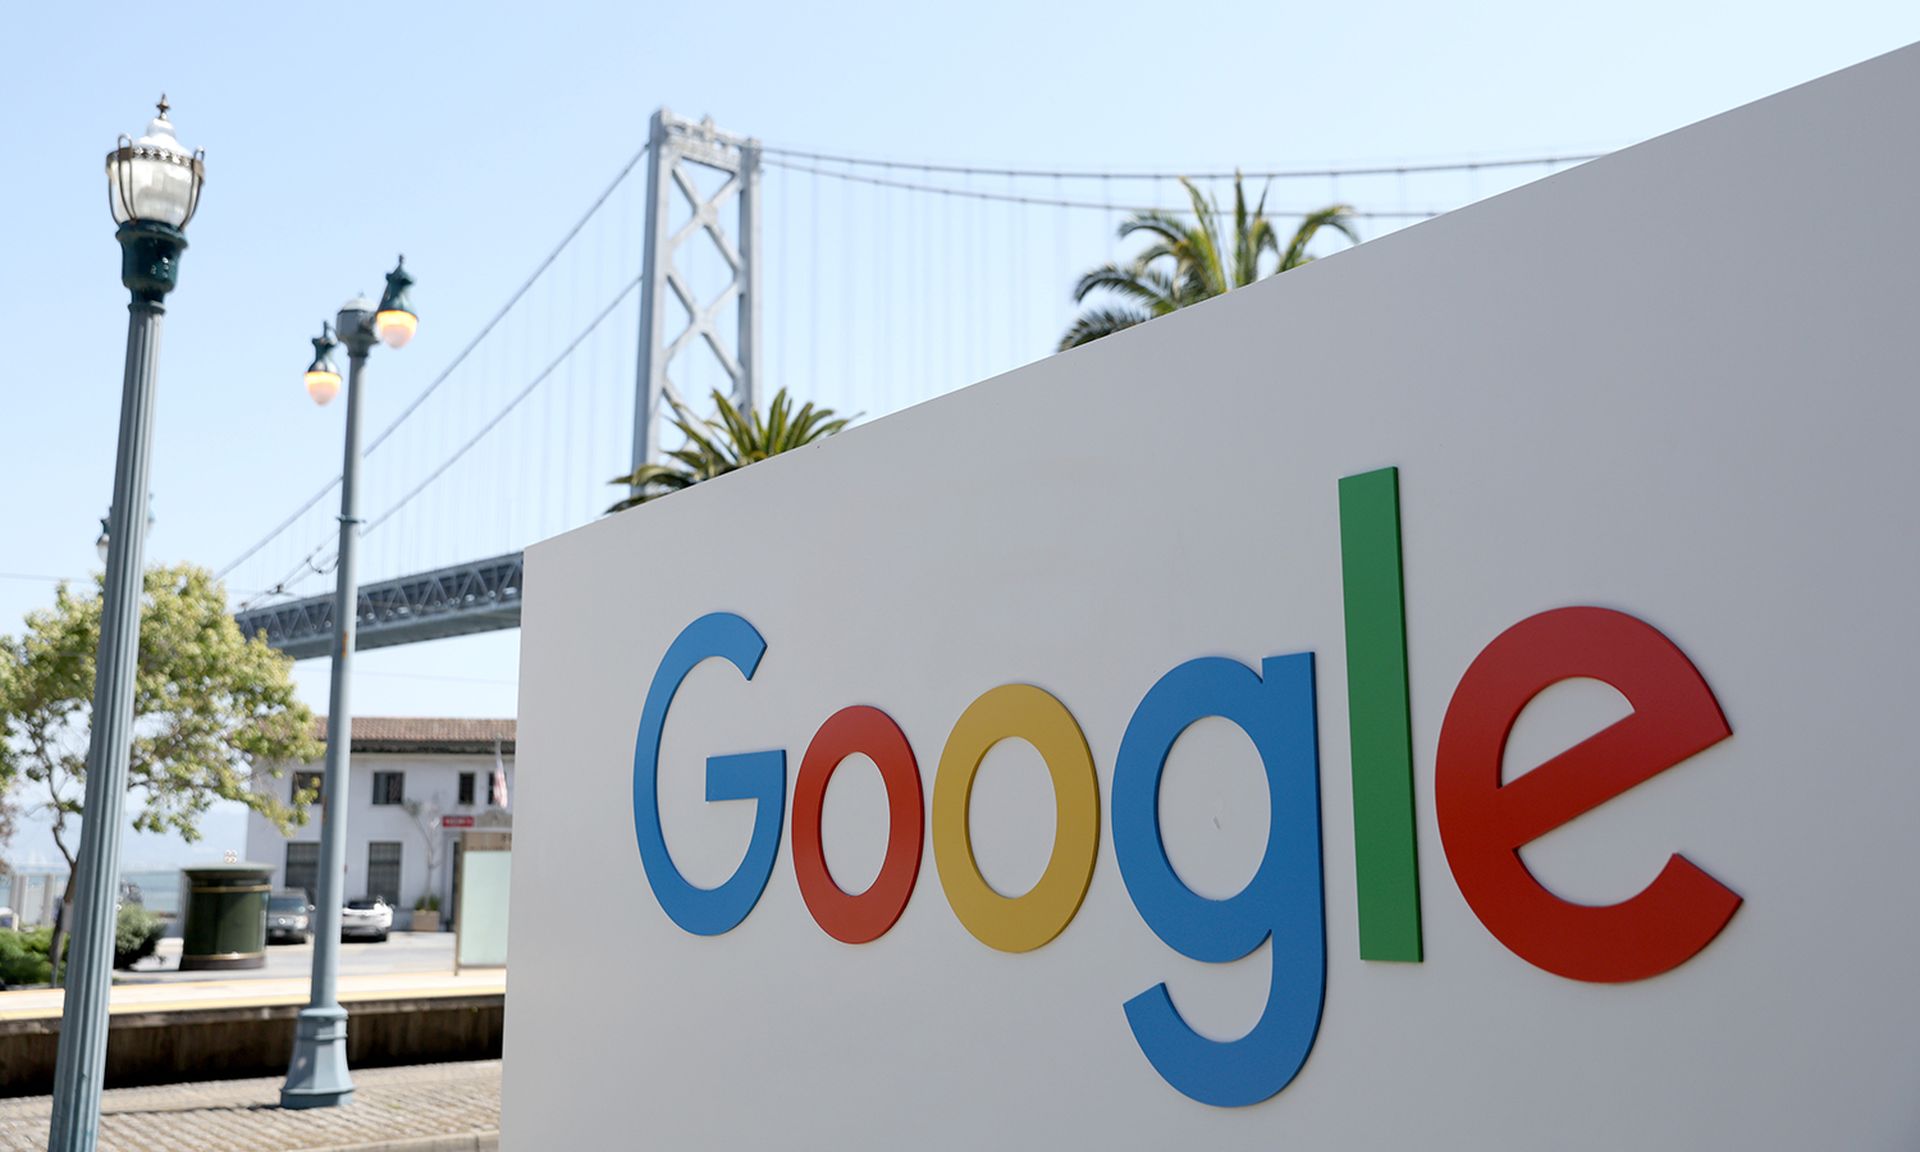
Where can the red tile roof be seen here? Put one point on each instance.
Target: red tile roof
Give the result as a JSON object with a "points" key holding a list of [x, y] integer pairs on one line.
{"points": [[442, 734]]}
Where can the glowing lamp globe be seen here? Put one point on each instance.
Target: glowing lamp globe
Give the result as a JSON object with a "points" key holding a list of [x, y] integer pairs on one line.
{"points": [[395, 327], [396, 321], [323, 386], [323, 379]]}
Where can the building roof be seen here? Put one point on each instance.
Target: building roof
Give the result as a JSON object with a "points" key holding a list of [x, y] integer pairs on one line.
{"points": [[447, 735]]}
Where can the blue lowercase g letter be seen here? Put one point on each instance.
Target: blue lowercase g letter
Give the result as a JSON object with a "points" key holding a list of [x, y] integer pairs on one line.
{"points": [[1282, 903]]}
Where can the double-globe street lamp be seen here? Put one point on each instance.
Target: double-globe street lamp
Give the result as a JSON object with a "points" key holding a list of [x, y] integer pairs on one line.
{"points": [[153, 187], [317, 1076]]}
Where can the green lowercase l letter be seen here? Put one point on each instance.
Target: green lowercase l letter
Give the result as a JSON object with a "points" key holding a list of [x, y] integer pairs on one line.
{"points": [[1379, 718]]}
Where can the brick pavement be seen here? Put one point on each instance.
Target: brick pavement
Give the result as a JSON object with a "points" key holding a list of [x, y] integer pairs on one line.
{"points": [[408, 1107]]}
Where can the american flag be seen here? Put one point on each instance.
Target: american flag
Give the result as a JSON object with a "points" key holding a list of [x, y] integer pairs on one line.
{"points": [[499, 778]]}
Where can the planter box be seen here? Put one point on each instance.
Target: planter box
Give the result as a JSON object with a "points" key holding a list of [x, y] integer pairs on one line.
{"points": [[424, 921]]}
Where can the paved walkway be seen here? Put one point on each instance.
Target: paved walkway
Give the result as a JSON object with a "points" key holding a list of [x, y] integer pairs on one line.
{"points": [[430, 1108], [402, 952], [41, 1003]]}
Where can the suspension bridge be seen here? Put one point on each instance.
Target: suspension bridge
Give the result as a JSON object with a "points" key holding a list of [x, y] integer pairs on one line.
{"points": [[713, 262]]}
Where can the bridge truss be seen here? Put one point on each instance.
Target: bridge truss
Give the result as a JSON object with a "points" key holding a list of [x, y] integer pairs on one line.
{"points": [[478, 597]]}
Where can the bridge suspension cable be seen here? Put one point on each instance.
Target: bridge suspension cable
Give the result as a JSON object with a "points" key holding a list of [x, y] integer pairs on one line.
{"points": [[459, 358], [1548, 161], [878, 305], [518, 397], [1061, 202]]}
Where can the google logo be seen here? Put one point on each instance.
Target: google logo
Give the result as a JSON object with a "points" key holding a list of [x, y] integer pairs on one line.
{"points": [[1483, 821]]}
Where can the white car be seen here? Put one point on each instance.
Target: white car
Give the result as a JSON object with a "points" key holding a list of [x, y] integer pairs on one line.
{"points": [[368, 918]]}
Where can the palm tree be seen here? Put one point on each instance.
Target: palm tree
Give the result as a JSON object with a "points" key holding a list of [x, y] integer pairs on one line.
{"points": [[728, 442], [1189, 262]]}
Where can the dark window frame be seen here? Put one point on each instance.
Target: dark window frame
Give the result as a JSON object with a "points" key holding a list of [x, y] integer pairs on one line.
{"points": [[388, 788], [301, 778], [379, 867], [307, 869], [466, 789]]}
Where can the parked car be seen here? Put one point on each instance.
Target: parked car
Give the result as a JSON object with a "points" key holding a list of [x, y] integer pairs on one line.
{"points": [[369, 917], [289, 918]]}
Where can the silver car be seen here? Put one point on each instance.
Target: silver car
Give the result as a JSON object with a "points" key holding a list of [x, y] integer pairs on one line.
{"points": [[368, 918]]}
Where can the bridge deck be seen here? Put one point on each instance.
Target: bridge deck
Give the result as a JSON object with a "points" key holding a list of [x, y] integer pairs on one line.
{"points": [[482, 596]]}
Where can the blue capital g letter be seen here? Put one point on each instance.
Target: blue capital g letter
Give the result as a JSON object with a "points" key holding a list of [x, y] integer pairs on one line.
{"points": [[1282, 902], [757, 776]]}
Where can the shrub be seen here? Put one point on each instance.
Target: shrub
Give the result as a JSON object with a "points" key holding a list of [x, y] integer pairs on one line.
{"points": [[136, 933], [23, 953], [427, 904], [23, 956]]}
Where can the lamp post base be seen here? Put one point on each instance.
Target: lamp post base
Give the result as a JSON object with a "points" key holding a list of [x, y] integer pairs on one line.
{"points": [[318, 1076]]}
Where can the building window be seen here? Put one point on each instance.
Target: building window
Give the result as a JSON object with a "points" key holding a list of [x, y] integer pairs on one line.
{"points": [[303, 869], [466, 789], [383, 870], [308, 782], [389, 787]]}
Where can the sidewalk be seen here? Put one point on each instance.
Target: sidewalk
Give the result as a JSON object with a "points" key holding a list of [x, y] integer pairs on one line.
{"points": [[429, 1108], [35, 1003]]}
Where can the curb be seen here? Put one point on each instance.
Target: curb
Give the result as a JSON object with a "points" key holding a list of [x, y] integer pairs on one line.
{"points": [[466, 1142]]}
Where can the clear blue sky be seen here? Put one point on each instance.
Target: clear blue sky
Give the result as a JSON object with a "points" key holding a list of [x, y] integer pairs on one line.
{"points": [[469, 136]]}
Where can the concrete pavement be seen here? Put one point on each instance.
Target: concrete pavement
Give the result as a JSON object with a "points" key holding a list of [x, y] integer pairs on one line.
{"points": [[426, 1108], [401, 952]]}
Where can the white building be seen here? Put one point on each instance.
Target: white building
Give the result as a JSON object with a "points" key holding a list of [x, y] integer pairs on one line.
{"points": [[442, 769]]}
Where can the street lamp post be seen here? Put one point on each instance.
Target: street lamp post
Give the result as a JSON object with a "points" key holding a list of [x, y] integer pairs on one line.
{"points": [[317, 1076], [153, 188]]}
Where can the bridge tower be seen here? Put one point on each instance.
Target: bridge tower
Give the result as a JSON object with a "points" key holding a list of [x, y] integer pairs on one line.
{"points": [[674, 145]]}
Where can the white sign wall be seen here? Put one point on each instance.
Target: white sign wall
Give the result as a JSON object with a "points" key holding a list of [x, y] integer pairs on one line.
{"points": [[1675, 386]]}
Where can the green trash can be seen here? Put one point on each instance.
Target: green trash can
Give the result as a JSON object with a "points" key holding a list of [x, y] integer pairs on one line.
{"points": [[226, 917]]}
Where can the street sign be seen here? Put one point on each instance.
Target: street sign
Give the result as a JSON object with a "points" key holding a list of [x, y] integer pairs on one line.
{"points": [[1453, 695]]}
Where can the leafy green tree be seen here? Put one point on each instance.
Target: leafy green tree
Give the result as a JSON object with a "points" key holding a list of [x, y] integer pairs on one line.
{"points": [[730, 441], [213, 712], [1187, 262], [7, 807]]}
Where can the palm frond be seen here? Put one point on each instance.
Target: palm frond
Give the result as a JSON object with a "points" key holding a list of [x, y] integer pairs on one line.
{"points": [[1204, 270], [812, 424], [731, 440], [1141, 283], [1186, 262], [1179, 255], [1097, 322], [1246, 250], [648, 482], [778, 413], [740, 433], [1171, 229], [1260, 239], [1338, 217]]}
